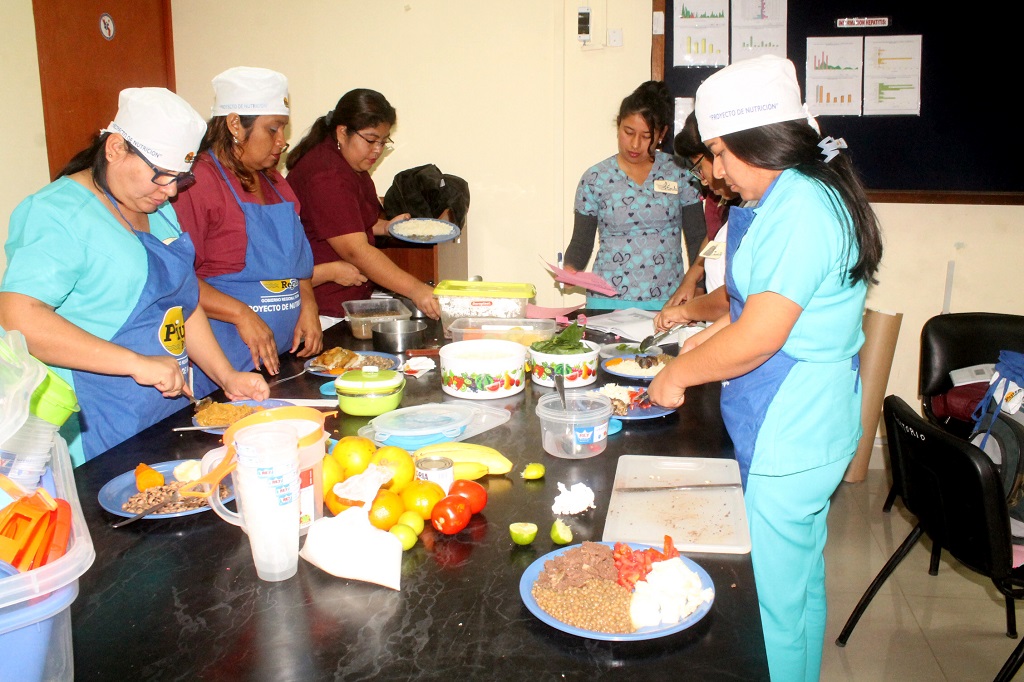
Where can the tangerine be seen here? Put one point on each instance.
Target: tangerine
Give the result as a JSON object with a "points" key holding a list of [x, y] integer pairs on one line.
{"points": [[420, 497], [387, 507], [400, 462], [332, 473], [353, 453]]}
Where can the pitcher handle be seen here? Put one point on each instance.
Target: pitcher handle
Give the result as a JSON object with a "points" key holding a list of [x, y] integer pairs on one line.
{"points": [[213, 478]]}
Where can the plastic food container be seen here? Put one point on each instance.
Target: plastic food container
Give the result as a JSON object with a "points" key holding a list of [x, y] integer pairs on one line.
{"points": [[519, 330], [35, 621], [419, 425], [578, 369], [362, 315], [484, 369], [369, 392], [578, 431], [459, 299]]}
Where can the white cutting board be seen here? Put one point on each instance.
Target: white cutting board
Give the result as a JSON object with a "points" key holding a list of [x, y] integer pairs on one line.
{"points": [[711, 520]]}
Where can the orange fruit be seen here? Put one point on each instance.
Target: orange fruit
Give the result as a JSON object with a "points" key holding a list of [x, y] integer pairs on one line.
{"points": [[353, 453], [332, 473], [403, 469], [386, 509], [335, 503], [420, 497]]}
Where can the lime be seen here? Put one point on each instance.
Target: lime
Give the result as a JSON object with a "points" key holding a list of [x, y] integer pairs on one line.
{"points": [[522, 533], [404, 533], [561, 533], [413, 520], [533, 471]]}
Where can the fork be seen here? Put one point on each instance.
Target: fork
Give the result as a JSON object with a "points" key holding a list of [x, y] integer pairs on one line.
{"points": [[294, 376], [149, 510]]}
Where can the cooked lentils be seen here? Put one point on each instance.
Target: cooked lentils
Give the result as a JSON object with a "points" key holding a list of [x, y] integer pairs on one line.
{"points": [[579, 587], [146, 499]]}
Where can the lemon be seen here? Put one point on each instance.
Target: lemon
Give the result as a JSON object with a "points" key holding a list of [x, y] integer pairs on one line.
{"points": [[533, 471], [413, 520], [405, 534], [561, 533], [332, 473], [522, 533]]}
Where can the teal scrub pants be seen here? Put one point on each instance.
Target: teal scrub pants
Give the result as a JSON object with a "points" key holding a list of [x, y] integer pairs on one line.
{"points": [[787, 516]]}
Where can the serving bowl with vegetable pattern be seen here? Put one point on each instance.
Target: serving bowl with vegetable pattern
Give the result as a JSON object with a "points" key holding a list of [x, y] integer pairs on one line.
{"points": [[483, 369]]}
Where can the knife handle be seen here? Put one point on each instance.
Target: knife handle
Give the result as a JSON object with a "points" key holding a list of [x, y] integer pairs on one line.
{"points": [[422, 352]]}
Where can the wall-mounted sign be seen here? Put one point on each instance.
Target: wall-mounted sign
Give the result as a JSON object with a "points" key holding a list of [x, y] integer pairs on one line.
{"points": [[107, 26], [862, 22]]}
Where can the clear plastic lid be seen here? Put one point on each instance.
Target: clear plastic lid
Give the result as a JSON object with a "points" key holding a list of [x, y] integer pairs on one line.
{"points": [[434, 423], [20, 373]]}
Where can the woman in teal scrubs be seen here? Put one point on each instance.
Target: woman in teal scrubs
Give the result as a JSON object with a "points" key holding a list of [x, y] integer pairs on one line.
{"points": [[99, 277], [798, 267]]}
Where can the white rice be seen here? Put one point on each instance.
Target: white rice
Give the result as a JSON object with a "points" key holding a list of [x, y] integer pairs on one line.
{"points": [[421, 227]]}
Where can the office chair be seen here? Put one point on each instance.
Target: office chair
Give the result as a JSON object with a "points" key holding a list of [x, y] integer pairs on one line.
{"points": [[954, 490]]}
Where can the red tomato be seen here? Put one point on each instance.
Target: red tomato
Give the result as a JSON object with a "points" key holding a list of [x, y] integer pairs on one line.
{"points": [[451, 514], [475, 493]]}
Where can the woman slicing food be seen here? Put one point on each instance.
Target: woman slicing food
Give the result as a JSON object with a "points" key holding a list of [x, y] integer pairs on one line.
{"points": [[99, 277], [798, 266], [642, 207], [329, 171], [252, 257]]}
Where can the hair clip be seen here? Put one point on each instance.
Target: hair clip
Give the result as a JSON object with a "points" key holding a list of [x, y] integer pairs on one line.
{"points": [[329, 115], [830, 147]]}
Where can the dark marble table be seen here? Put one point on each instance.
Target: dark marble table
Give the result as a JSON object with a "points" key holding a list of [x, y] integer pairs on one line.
{"points": [[179, 598]]}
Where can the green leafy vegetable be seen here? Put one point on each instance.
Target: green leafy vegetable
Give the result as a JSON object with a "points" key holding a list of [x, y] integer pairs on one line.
{"points": [[567, 342]]}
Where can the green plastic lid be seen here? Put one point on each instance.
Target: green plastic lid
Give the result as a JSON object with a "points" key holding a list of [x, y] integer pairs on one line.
{"points": [[450, 287], [368, 380], [53, 400]]}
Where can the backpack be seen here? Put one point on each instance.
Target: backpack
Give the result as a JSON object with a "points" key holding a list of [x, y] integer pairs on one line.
{"points": [[425, 192]]}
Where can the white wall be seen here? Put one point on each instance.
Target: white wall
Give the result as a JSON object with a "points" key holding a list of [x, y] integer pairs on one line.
{"points": [[504, 96]]}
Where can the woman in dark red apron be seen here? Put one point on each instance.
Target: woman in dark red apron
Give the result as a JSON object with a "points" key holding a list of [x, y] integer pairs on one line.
{"points": [[252, 256]]}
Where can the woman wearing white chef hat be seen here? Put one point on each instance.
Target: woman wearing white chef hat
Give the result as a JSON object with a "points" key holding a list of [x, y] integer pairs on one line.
{"points": [[252, 257], [99, 277], [798, 266]]}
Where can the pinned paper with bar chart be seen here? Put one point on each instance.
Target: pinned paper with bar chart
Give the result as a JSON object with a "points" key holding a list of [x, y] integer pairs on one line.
{"points": [[834, 72], [758, 27], [892, 75], [700, 33]]}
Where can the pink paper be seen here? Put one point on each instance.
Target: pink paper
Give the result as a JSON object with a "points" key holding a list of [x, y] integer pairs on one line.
{"points": [[587, 280], [536, 312]]}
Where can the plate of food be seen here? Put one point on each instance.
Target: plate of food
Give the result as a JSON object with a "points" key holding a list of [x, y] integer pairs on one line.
{"points": [[424, 230], [624, 349], [337, 361], [632, 402], [642, 367], [120, 495], [218, 416], [676, 593]]}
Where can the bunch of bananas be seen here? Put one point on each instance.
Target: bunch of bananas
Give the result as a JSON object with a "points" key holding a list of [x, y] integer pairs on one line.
{"points": [[471, 461]]}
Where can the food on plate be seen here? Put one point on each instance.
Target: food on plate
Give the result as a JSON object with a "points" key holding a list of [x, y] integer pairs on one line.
{"points": [[421, 228], [223, 414], [339, 360], [569, 341], [625, 398], [146, 499], [522, 533], [451, 514], [575, 500], [474, 493], [638, 365], [188, 471], [533, 471], [561, 533], [147, 477], [497, 464]]}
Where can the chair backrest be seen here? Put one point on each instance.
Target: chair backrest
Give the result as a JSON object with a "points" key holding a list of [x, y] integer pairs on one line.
{"points": [[956, 340], [953, 489]]}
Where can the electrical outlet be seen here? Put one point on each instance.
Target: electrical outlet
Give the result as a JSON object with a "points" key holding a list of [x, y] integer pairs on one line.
{"points": [[615, 37], [583, 24]]}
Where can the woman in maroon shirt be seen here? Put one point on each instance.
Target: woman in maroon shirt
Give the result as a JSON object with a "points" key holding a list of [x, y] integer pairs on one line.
{"points": [[341, 213]]}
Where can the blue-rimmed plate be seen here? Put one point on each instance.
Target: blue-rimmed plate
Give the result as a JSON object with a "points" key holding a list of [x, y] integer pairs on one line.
{"points": [[531, 574], [614, 367], [395, 363], [118, 490], [652, 411], [265, 404], [424, 230]]}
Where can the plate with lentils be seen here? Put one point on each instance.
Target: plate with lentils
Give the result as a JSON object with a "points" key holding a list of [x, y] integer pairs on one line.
{"points": [[120, 496], [574, 589]]}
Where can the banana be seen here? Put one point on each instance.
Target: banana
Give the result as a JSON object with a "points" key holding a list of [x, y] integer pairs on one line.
{"points": [[496, 463], [470, 471]]}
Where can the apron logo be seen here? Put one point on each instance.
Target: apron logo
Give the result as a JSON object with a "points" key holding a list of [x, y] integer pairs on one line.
{"points": [[172, 331], [276, 286]]}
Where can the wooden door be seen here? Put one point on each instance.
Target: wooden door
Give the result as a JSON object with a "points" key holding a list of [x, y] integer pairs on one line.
{"points": [[88, 52]]}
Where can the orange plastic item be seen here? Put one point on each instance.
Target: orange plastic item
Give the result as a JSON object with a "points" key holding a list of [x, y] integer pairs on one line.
{"points": [[23, 527], [60, 537], [147, 477]]}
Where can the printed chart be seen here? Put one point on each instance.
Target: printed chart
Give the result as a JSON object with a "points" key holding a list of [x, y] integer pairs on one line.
{"points": [[834, 74], [892, 75]]}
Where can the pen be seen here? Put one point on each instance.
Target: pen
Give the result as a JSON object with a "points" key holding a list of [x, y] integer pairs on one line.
{"points": [[558, 258]]}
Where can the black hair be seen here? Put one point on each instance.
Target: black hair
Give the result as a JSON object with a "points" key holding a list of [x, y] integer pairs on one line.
{"points": [[220, 142], [688, 143], [93, 157], [653, 102], [794, 144], [356, 110]]}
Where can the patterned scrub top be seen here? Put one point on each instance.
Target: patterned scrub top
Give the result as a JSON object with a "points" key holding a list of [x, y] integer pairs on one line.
{"points": [[641, 251]]}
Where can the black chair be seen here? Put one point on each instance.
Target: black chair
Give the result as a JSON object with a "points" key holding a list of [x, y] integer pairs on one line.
{"points": [[953, 341], [954, 490]]}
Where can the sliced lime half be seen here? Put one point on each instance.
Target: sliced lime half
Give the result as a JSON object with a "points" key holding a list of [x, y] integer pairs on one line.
{"points": [[561, 533], [522, 533], [533, 471]]}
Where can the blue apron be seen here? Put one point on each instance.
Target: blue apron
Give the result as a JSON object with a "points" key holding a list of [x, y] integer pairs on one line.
{"points": [[115, 408], [277, 255]]}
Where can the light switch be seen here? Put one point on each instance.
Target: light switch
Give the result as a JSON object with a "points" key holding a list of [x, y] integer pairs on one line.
{"points": [[615, 37]]}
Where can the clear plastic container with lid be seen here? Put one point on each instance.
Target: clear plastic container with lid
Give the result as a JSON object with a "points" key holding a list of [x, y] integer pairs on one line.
{"points": [[459, 299], [362, 315]]}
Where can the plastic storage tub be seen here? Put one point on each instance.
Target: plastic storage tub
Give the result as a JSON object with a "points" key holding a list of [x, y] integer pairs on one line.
{"points": [[519, 330], [362, 315], [35, 619], [506, 300], [578, 431]]}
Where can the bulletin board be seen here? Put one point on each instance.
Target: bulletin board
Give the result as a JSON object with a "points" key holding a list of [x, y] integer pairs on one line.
{"points": [[965, 147]]}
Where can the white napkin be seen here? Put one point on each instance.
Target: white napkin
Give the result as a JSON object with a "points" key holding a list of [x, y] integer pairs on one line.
{"points": [[417, 367]]}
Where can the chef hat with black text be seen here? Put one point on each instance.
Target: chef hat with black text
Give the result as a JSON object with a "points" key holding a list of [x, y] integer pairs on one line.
{"points": [[162, 126], [250, 91], [749, 94]]}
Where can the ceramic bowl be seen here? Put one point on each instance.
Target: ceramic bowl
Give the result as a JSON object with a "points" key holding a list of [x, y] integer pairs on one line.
{"points": [[579, 369], [483, 369]]}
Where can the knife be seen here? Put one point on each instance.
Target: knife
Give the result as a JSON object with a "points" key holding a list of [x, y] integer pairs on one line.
{"points": [[691, 486], [174, 497]]}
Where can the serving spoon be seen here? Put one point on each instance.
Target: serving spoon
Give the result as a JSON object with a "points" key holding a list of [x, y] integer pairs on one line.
{"points": [[655, 338]]}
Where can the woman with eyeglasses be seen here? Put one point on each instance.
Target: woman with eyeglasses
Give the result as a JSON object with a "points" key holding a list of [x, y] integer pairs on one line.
{"points": [[99, 277], [253, 261], [641, 206], [329, 170]]}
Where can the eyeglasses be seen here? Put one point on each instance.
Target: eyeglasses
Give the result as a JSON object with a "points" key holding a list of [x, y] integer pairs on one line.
{"points": [[696, 169], [164, 178], [384, 145]]}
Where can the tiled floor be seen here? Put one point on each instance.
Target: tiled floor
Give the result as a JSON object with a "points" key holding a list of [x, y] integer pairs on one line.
{"points": [[918, 627]]}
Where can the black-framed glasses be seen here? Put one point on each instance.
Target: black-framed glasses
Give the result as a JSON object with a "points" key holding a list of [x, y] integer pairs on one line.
{"points": [[384, 145], [696, 169], [165, 178]]}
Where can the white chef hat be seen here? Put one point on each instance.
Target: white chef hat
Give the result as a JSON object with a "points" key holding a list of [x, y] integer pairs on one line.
{"points": [[162, 126], [748, 94], [250, 91]]}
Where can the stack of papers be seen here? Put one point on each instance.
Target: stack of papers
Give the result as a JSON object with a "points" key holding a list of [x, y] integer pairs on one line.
{"points": [[629, 323]]}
